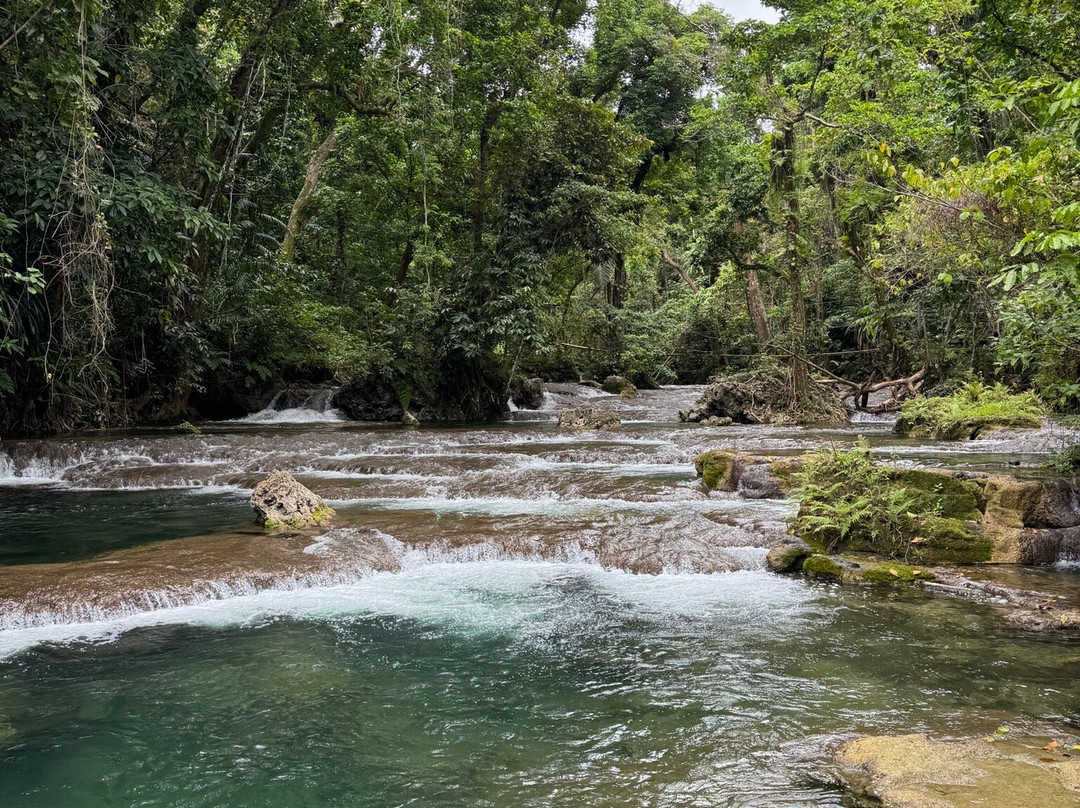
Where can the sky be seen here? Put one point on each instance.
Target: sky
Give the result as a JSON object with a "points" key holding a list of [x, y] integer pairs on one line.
{"points": [[739, 9]]}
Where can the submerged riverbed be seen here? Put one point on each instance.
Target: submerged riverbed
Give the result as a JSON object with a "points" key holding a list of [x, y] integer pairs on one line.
{"points": [[503, 615]]}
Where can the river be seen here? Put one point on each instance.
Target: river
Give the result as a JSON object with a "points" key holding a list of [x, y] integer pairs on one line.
{"points": [[502, 615]]}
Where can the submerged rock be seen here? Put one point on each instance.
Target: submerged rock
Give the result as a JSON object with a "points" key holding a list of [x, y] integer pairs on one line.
{"points": [[619, 386], [280, 501], [528, 394], [1029, 609], [587, 418], [913, 771]]}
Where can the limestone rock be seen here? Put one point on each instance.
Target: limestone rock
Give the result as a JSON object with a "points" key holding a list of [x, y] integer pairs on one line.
{"points": [[588, 418], [528, 394], [280, 501], [913, 771], [716, 420], [619, 386], [788, 555]]}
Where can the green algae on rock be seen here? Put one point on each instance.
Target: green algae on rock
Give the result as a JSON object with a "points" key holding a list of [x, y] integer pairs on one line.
{"points": [[862, 569], [718, 469], [280, 502]]}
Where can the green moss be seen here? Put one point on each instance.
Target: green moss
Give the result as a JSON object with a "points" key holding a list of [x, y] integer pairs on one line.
{"points": [[821, 566], [891, 572], [936, 492], [785, 469], [187, 428], [968, 412], [319, 517], [718, 469], [941, 540]]}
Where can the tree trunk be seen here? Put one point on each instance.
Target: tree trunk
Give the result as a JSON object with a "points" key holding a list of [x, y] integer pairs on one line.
{"points": [[783, 179], [756, 307], [311, 181], [480, 211], [617, 287]]}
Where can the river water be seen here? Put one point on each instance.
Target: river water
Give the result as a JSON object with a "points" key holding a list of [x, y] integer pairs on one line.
{"points": [[502, 615]]}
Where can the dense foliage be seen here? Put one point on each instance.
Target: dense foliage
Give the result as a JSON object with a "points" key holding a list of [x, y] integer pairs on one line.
{"points": [[201, 200]]}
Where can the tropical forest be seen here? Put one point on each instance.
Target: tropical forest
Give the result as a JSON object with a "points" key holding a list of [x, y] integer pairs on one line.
{"points": [[516, 403]]}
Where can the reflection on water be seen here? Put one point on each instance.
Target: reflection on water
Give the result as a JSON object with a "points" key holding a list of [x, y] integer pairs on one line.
{"points": [[471, 631]]}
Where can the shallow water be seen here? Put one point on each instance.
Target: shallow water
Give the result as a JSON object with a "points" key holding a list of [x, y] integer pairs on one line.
{"points": [[503, 615]]}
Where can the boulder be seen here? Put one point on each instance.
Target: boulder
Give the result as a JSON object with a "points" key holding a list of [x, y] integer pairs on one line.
{"points": [[528, 394], [409, 419], [751, 476], [720, 469], [763, 396], [280, 501], [759, 481], [788, 555], [997, 771], [588, 418], [619, 386]]}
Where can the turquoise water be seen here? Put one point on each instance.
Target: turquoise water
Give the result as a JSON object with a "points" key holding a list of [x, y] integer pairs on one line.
{"points": [[511, 684], [510, 660], [45, 524]]}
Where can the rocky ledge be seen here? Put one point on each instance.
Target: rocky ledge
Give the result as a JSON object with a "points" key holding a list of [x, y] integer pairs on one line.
{"points": [[1002, 770], [587, 418]]}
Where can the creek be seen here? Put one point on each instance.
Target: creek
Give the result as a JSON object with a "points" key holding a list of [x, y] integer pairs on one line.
{"points": [[502, 615]]}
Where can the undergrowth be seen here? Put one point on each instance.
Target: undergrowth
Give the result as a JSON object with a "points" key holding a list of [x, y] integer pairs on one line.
{"points": [[965, 413], [845, 499]]}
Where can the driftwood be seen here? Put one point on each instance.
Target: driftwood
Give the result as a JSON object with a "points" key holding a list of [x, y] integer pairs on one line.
{"points": [[859, 393], [901, 389]]}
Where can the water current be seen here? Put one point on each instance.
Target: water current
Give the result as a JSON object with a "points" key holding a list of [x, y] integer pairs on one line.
{"points": [[502, 615]]}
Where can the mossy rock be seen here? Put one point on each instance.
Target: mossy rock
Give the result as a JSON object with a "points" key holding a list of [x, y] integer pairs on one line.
{"points": [[788, 555], [950, 541], [823, 567], [187, 428], [619, 386], [940, 493], [784, 470], [969, 412], [719, 469], [320, 517], [891, 572], [862, 570]]}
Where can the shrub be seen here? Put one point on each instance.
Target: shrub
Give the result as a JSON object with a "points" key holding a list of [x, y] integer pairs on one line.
{"points": [[968, 412], [845, 499]]}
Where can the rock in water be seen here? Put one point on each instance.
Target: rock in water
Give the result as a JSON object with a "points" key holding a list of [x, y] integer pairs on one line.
{"points": [[409, 419], [528, 394], [788, 555], [280, 501], [619, 386], [588, 418], [913, 771]]}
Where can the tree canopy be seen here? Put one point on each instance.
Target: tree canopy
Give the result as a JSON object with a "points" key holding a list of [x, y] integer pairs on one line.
{"points": [[205, 199]]}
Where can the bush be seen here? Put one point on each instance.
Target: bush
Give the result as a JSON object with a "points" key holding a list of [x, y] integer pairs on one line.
{"points": [[968, 412], [847, 503], [844, 499]]}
